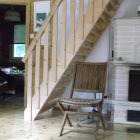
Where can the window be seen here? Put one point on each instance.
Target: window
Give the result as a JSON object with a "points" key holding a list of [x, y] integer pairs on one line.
{"points": [[18, 50]]}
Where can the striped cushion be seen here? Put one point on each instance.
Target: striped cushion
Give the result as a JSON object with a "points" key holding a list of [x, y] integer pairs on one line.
{"points": [[79, 101]]}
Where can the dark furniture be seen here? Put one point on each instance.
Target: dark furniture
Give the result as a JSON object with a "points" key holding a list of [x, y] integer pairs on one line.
{"points": [[15, 80], [3, 85]]}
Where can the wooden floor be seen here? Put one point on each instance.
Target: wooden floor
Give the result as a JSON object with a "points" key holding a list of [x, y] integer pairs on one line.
{"points": [[13, 127]]}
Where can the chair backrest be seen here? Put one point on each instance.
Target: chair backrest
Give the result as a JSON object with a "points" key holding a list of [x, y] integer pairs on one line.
{"points": [[89, 77]]}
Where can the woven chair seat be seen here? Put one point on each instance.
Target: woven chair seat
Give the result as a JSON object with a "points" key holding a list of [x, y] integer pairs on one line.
{"points": [[81, 102]]}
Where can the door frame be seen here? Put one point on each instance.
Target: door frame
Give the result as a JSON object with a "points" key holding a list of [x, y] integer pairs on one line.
{"points": [[26, 3]]}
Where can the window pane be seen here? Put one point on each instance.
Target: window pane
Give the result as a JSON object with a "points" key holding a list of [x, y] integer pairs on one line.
{"points": [[19, 33], [19, 50]]}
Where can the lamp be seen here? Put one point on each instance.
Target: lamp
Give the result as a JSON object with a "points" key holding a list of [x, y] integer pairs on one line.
{"points": [[12, 15]]}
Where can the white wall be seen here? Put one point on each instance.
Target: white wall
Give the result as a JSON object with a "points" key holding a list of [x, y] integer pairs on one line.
{"points": [[127, 9], [100, 51]]}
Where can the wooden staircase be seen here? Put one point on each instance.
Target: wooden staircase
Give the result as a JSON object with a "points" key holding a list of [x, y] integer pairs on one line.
{"points": [[65, 37]]}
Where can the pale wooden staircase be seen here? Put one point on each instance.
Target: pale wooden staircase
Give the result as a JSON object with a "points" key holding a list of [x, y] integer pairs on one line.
{"points": [[62, 40]]}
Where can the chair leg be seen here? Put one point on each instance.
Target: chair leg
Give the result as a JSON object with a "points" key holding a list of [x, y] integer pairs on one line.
{"points": [[101, 117], [97, 127], [102, 120], [63, 124], [63, 110]]}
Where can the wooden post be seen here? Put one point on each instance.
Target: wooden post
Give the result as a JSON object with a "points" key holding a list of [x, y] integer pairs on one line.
{"points": [[80, 29], [28, 110], [36, 97], [28, 21]]}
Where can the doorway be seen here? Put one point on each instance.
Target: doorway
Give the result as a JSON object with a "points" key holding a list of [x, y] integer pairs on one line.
{"points": [[12, 48]]}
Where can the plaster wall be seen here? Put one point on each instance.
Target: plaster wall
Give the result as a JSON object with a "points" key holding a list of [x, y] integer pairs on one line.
{"points": [[100, 51]]}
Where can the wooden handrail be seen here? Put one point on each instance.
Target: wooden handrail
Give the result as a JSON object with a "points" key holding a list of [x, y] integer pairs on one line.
{"points": [[42, 29]]}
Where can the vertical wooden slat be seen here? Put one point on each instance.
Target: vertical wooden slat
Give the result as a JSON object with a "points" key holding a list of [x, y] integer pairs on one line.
{"points": [[89, 17], [36, 97], [28, 110], [80, 28], [50, 40], [63, 34], [45, 63], [41, 62], [70, 45], [72, 25], [54, 48], [44, 83]]}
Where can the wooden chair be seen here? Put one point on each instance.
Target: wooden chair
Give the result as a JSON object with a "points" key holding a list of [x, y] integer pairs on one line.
{"points": [[88, 78]]}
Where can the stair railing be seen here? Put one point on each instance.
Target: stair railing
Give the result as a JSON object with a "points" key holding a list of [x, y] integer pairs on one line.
{"points": [[54, 46]]}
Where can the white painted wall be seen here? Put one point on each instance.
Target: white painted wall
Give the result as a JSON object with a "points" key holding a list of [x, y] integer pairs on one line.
{"points": [[100, 51], [127, 9]]}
